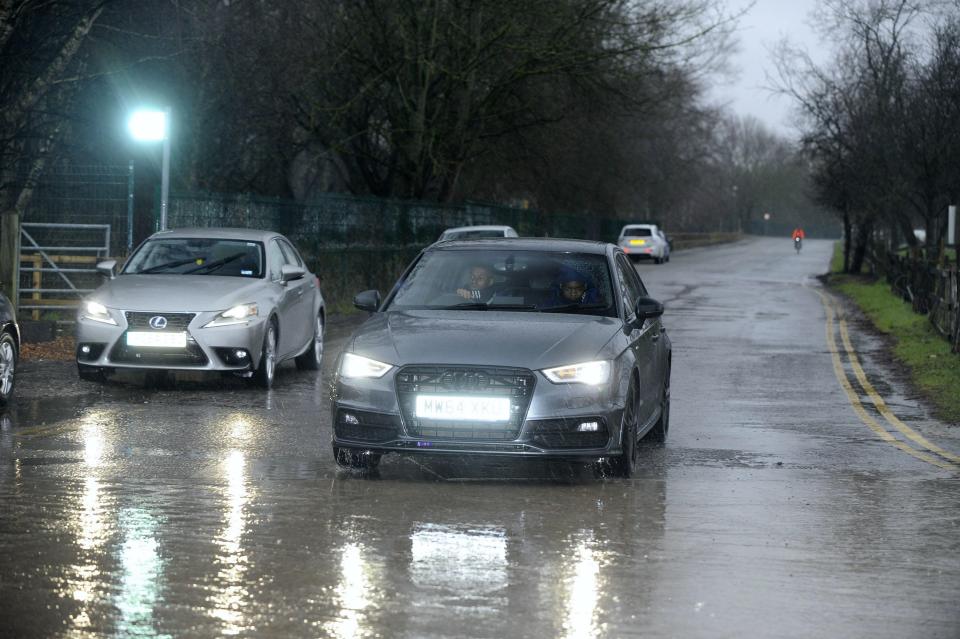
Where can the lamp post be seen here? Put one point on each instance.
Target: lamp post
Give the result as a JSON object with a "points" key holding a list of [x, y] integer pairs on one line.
{"points": [[154, 126]]}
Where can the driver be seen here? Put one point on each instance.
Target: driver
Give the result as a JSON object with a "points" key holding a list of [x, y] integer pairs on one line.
{"points": [[480, 287]]}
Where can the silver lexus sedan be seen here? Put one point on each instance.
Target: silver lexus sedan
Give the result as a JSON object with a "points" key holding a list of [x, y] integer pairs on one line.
{"points": [[231, 300], [523, 347]]}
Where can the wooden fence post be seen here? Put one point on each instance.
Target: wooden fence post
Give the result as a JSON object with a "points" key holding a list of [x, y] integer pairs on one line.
{"points": [[10, 256]]}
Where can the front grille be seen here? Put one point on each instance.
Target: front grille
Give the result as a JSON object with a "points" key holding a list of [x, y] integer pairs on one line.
{"points": [[514, 383], [562, 433], [175, 321]]}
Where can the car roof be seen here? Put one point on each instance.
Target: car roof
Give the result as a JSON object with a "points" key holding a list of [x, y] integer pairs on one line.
{"points": [[525, 244], [481, 227], [638, 226], [250, 235]]}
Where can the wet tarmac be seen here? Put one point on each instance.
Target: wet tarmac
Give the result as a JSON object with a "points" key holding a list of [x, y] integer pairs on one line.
{"points": [[204, 507]]}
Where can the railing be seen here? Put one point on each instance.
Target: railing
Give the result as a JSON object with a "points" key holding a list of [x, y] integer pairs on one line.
{"points": [[60, 262], [931, 290]]}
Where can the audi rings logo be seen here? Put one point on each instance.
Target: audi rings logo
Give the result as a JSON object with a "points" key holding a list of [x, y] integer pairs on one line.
{"points": [[464, 381], [158, 322]]}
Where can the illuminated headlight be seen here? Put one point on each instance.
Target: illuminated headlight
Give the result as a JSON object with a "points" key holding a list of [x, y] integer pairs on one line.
{"points": [[592, 373], [97, 312], [240, 314], [353, 366]]}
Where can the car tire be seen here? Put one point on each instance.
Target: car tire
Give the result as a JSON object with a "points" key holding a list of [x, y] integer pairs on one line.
{"points": [[355, 459], [625, 464], [91, 373], [267, 368], [658, 434], [9, 356], [312, 358]]}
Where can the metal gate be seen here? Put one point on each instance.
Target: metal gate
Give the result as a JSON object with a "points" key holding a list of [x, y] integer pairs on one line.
{"points": [[58, 264]]}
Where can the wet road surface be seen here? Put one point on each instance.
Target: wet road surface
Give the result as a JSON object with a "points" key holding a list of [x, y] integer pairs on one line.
{"points": [[785, 502]]}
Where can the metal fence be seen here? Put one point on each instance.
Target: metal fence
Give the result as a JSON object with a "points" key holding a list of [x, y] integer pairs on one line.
{"points": [[930, 289], [84, 194]]}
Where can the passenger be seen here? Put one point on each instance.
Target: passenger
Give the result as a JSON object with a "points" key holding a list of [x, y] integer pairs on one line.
{"points": [[573, 287], [480, 288]]}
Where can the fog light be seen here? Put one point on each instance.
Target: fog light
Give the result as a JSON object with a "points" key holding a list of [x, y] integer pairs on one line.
{"points": [[240, 354], [588, 427], [349, 418], [85, 349]]}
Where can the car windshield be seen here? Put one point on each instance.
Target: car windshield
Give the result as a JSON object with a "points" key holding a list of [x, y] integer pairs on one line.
{"points": [[638, 232], [472, 235], [521, 281], [197, 256]]}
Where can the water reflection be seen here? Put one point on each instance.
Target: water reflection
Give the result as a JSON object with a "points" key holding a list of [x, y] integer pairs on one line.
{"points": [[582, 593], [357, 595], [232, 596], [459, 560], [142, 571]]}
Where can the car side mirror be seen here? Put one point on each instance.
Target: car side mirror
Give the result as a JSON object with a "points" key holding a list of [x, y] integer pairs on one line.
{"points": [[288, 272], [106, 268], [647, 308], [367, 301]]}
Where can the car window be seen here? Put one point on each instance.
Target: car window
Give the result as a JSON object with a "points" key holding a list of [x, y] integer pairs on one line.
{"points": [[290, 254], [276, 260], [523, 280], [197, 256], [637, 232], [631, 289]]}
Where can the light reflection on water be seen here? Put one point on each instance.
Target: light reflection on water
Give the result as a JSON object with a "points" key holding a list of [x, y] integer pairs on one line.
{"points": [[232, 595], [458, 560], [582, 588], [140, 585], [357, 595]]}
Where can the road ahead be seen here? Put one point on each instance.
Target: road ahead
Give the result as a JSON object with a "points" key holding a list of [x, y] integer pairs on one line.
{"points": [[792, 498]]}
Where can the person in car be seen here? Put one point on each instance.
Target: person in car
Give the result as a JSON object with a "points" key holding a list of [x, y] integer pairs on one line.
{"points": [[573, 287], [481, 287]]}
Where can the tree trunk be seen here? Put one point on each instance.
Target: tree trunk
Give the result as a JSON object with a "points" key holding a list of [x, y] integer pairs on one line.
{"points": [[847, 231], [10, 256], [861, 241]]}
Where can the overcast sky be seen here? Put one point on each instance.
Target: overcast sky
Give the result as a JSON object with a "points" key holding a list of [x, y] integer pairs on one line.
{"points": [[768, 22]]}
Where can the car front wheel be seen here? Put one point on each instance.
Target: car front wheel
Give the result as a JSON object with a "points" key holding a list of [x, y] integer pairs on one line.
{"points": [[312, 358], [8, 367], [263, 376], [355, 459], [625, 464]]}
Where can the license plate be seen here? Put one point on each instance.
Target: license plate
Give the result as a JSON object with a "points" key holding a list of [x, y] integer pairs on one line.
{"points": [[463, 408], [160, 340], [637, 242]]}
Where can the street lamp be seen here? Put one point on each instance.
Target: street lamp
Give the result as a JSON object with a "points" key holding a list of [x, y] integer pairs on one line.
{"points": [[154, 126]]}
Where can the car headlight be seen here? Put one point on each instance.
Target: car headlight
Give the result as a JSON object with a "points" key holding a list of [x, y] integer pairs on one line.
{"points": [[97, 312], [239, 314], [592, 373], [354, 366]]}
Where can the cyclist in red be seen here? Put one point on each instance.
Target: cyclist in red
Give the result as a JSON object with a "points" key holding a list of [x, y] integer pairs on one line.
{"points": [[798, 233]]}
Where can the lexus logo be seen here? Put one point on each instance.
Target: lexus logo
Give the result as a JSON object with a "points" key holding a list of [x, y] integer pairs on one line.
{"points": [[158, 322], [464, 381]]}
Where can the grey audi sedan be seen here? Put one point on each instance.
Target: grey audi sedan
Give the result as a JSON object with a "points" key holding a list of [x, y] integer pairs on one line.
{"points": [[232, 300], [523, 347]]}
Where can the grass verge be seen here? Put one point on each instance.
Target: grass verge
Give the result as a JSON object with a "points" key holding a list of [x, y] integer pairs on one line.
{"points": [[934, 369]]}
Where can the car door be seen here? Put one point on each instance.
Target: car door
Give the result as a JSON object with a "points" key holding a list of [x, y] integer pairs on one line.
{"points": [[288, 301], [306, 289], [643, 340]]}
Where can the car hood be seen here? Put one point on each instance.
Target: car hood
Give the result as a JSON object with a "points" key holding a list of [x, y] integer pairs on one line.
{"points": [[484, 338], [172, 293]]}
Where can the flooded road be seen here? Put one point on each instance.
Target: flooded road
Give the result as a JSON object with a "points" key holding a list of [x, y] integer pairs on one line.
{"points": [[785, 503]]}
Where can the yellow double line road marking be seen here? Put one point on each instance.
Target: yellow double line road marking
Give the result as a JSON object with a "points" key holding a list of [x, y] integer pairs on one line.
{"points": [[946, 459]]}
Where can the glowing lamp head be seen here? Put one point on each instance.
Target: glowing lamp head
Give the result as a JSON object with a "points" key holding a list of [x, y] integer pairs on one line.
{"points": [[148, 126]]}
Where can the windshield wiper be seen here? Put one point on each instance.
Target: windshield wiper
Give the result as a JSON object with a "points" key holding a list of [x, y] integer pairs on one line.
{"points": [[480, 306], [573, 307], [212, 266], [166, 265]]}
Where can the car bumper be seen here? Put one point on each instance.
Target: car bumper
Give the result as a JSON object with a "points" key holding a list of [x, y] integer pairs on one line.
{"points": [[235, 348], [562, 421]]}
